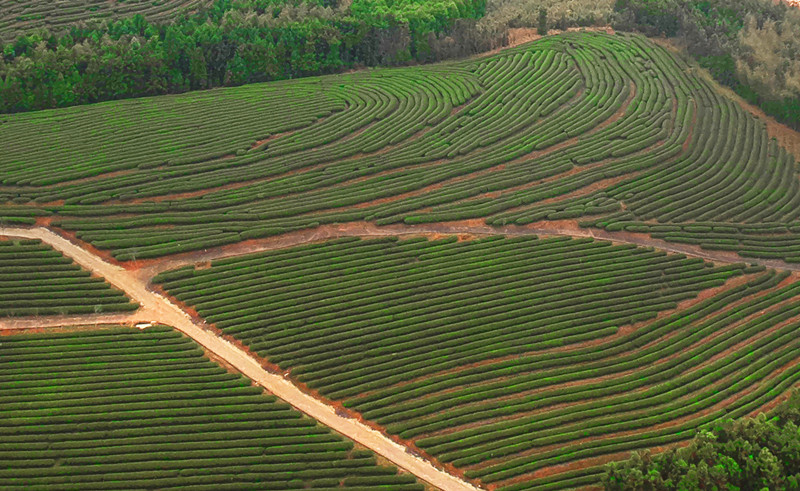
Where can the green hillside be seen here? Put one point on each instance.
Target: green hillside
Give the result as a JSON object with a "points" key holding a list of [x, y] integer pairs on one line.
{"points": [[513, 359], [611, 130], [119, 408]]}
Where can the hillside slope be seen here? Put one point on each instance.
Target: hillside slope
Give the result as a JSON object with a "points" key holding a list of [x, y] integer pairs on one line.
{"points": [[119, 408], [612, 130], [519, 362], [22, 16]]}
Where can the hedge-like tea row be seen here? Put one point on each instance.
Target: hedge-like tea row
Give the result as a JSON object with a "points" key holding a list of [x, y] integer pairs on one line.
{"points": [[766, 240], [17, 17], [576, 125], [37, 280], [505, 355], [340, 142], [119, 408]]}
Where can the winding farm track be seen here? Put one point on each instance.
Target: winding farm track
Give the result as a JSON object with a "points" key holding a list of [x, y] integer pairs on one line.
{"points": [[157, 308], [134, 279], [565, 228]]}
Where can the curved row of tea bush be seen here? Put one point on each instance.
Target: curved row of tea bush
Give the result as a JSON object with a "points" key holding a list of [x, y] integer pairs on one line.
{"points": [[135, 138], [375, 145], [36, 280], [576, 125], [504, 356], [573, 125], [119, 408], [765, 240], [20, 17]]}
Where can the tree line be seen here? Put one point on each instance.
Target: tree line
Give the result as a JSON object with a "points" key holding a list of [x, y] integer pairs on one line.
{"points": [[232, 42], [750, 453], [752, 46]]}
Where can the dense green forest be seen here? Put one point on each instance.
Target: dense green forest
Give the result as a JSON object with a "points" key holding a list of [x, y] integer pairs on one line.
{"points": [[752, 46], [761, 453], [230, 43]]}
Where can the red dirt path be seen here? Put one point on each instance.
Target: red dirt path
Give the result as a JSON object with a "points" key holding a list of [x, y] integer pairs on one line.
{"points": [[466, 229]]}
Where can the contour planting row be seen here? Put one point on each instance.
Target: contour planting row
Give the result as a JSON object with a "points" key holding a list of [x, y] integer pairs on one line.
{"points": [[141, 135], [22, 16], [732, 173], [37, 280], [603, 399], [651, 133], [507, 109], [505, 356], [119, 408], [611, 150], [734, 190], [299, 161], [347, 180], [769, 240], [432, 126], [724, 366], [576, 125]]}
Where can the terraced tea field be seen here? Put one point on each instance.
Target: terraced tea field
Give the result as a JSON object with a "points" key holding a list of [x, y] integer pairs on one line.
{"points": [[505, 357], [23, 16], [611, 130], [119, 408], [411, 256], [37, 280]]}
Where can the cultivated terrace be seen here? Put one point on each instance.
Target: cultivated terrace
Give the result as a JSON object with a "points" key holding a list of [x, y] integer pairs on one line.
{"points": [[499, 272]]}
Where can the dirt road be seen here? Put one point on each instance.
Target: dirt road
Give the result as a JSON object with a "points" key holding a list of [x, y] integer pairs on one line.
{"points": [[564, 228], [157, 308], [131, 318]]}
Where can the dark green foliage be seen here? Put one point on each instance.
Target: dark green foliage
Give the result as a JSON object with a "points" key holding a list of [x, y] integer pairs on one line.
{"points": [[749, 453], [656, 17], [122, 408], [216, 46], [37, 280], [542, 24]]}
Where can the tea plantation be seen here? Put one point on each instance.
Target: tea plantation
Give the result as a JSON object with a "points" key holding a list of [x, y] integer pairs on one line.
{"points": [[37, 280], [514, 361], [614, 131], [505, 356], [119, 408]]}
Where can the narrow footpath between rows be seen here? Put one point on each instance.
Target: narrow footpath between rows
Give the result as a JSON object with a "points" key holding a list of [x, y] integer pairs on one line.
{"points": [[156, 308], [159, 309]]}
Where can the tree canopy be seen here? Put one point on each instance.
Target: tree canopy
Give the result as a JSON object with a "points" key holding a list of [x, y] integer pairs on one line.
{"points": [[761, 453]]}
